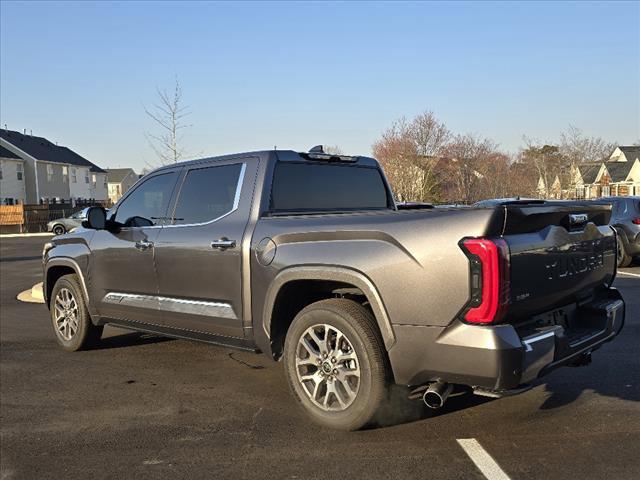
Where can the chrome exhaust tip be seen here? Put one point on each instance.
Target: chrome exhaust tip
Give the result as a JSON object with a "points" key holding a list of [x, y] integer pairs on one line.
{"points": [[436, 394]]}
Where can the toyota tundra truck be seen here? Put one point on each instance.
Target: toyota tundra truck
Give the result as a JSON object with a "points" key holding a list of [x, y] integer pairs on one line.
{"points": [[307, 258]]}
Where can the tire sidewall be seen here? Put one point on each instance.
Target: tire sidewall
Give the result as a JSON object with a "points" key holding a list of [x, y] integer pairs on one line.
{"points": [[622, 257], [77, 341], [58, 229], [361, 409]]}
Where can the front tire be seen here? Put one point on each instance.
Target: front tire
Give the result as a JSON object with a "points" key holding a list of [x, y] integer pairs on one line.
{"points": [[336, 365], [58, 229], [69, 316]]}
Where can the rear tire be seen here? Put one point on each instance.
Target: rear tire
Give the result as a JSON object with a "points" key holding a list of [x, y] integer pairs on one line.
{"points": [[336, 364], [69, 316], [624, 260], [58, 229]]}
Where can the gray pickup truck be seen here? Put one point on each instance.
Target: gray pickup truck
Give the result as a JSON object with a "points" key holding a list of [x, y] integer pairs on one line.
{"points": [[307, 258]]}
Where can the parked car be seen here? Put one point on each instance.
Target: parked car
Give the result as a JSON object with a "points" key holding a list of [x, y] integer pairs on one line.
{"points": [[63, 225], [626, 221], [306, 258]]}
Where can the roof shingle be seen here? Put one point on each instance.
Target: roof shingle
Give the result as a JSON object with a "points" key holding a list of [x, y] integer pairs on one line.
{"points": [[42, 149]]}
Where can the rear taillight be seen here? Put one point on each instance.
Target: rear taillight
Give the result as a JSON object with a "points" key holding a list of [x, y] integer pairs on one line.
{"points": [[489, 268], [636, 221]]}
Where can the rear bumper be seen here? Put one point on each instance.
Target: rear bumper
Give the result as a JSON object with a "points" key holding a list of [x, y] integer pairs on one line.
{"points": [[500, 357]]}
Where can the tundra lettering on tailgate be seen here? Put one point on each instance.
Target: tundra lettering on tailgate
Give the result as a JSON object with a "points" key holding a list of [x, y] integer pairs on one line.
{"points": [[569, 266]]}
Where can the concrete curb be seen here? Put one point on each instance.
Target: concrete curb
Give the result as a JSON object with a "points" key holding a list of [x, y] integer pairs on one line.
{"points": [[26, 235], [33, 295]]}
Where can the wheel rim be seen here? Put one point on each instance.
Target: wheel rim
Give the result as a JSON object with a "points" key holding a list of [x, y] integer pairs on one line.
{"points": [[58, 230], [328, 368], [65, 310]]}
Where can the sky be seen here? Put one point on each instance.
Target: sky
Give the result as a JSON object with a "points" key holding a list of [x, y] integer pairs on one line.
{"points": [[294, 75]]}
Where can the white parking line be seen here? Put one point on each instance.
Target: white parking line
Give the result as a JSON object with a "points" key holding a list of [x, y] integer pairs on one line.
{"points": [[485, 463], [627, 273]]}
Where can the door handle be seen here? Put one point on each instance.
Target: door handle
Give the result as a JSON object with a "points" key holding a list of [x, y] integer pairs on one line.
{"points": [[143, 245], [223, 243]]}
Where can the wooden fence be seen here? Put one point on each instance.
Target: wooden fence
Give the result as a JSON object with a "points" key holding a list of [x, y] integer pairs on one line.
{"points": [[34, 218], [12, 215]]}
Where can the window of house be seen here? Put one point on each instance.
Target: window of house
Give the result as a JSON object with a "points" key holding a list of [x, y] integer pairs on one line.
{"points": [[19, 171], [49, 172], [74, 176], [93, 179], [65, 173], [0, 171], [86, 176], [207, 193], [147, 204]]}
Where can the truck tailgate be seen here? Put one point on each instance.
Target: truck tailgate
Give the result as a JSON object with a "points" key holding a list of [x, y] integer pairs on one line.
{"points": [[561, 253]]}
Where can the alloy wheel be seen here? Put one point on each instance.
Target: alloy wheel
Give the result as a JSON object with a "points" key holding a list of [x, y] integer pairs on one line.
{"points": [[66, 314], [328, 367]]}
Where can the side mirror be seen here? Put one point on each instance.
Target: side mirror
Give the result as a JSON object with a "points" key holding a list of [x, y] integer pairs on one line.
{"points": [[96, 218]]}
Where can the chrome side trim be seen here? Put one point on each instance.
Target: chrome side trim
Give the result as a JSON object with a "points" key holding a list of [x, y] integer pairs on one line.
{"points": [[170, 304], [528, 341]]}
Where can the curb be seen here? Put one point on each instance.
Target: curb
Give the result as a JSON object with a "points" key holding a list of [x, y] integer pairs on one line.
{"points": [[26, 235], [33, 295]]}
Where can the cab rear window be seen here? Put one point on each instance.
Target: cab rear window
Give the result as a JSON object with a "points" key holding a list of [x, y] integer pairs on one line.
{"points": [[311, 187]]}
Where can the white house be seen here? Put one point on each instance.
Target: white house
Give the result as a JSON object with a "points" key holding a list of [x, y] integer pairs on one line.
{"points": [[53, 172], [12, 190], [119, 180]]}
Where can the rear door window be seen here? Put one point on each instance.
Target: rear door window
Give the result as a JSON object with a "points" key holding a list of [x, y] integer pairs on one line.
{"points": [[303, 187], [208, 193]]}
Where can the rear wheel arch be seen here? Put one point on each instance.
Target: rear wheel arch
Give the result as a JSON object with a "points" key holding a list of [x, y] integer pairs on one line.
{"points": [[297, 287]]}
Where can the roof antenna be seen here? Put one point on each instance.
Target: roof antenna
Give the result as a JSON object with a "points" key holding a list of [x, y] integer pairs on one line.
{"points": [[25, 131], [275, 147]]}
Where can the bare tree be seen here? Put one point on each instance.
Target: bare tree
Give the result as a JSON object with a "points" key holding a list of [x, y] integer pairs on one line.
{"points": [[332, 149], [471, 158], [410, 154], [577, 148], [548, 163], [168, 113]]}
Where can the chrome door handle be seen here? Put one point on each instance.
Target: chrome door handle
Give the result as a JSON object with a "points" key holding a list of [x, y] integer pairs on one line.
{"points": [[223, 243], [143, 245]]}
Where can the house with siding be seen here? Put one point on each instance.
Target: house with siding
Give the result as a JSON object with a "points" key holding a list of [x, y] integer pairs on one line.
{"points": [[619, 175], [53, 172], [12, 190], [119, 180]]}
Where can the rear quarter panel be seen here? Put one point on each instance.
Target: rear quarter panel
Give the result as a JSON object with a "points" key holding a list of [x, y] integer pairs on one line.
{"points": [[411, 257]]}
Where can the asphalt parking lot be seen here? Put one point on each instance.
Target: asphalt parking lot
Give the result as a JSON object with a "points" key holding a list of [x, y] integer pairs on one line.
{"points": [[145, 407]]}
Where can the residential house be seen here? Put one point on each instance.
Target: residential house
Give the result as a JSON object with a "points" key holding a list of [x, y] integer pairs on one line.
{"points": [[119, 180], [618, 176], [52, 172], [12, 182]]}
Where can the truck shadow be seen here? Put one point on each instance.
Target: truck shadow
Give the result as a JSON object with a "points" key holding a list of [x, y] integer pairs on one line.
{"points": [[562, 394], [131, 339], [401, 410]]}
